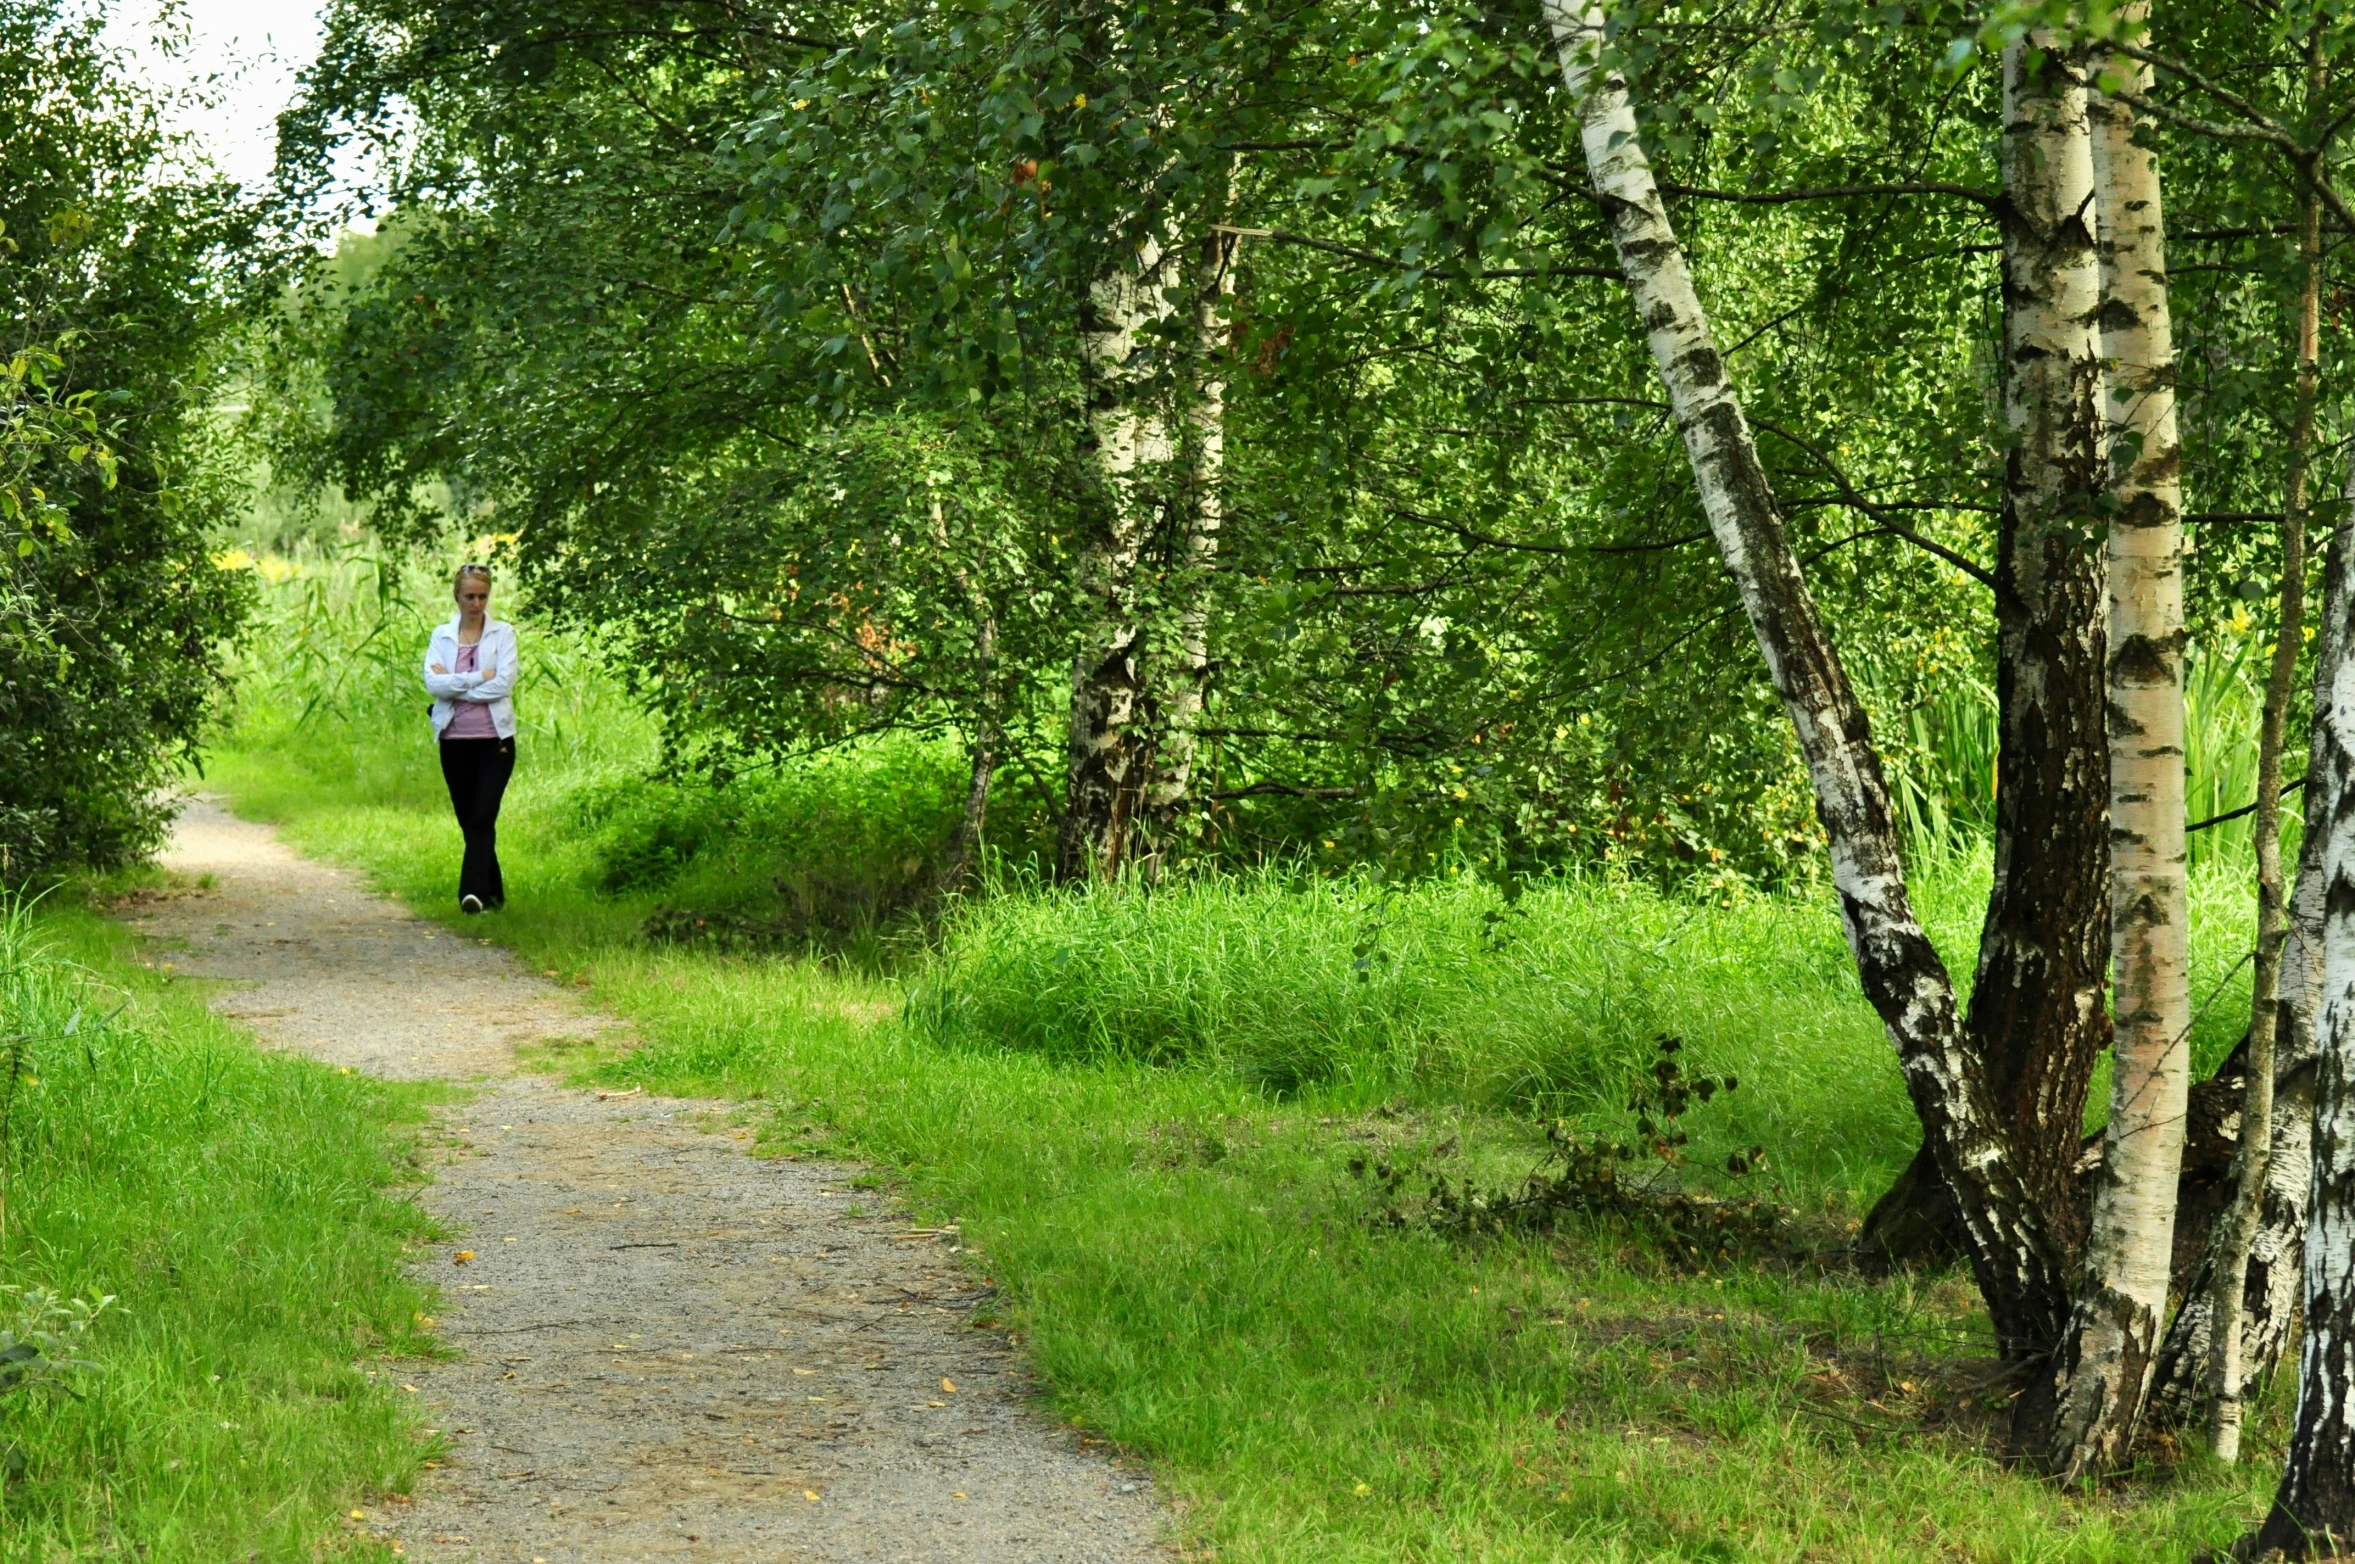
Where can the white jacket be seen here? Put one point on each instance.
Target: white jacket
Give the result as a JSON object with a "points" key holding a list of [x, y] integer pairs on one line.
{"points": [[490, 686]]}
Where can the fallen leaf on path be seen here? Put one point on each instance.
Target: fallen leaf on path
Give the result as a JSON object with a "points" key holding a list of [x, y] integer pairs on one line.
{"points": [[810, 1494], [461, 1257], [949, 1385]]}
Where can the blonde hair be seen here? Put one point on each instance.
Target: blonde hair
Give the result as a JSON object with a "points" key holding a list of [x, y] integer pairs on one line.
{"points": [[459, 580]]}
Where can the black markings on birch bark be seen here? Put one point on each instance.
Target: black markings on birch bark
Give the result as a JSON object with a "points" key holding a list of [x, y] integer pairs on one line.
{"points": [[1201, 510], [2314, 1508], [2052, 151], [1157, 407], [1902, 975], [1129, 425]]}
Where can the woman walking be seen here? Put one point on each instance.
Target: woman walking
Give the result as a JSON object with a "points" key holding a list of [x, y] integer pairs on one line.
{"points": [[469, 671]]}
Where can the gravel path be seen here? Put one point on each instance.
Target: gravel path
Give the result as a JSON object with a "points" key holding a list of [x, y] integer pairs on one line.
{"points": [[669, 1350]]}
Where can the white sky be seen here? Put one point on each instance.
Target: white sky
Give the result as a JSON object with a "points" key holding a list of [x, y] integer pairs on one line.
{"points": [[249, 51]]}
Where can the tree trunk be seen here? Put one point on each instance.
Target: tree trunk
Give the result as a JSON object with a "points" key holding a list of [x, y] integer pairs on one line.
{"points": [[2044, 951], [2036, 1016], [2240, 1219], [2010, 1251], [1109, 751], [2269, 1293], [2105, 1362], [989, 709], [1183, 685], [988, 733], [2314, 1508]]}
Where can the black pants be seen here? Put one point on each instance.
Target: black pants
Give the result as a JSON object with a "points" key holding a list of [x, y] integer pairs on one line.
{"points": [[477, 771]]}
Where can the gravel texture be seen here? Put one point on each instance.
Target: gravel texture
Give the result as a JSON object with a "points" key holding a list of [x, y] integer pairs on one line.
{"points": [[667, 1349]]}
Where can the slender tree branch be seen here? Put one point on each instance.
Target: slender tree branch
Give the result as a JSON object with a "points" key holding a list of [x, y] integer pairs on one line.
{"points": [[2214, 89], [1445, 273], [1989, 199], [1856, 500], [2287, 788], [1647, 548]]}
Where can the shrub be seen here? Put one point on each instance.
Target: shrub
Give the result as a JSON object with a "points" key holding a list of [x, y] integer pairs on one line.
{"points": [[115, 618], [824, 850]]}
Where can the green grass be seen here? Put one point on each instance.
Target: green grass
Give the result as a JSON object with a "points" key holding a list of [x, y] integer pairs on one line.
{"points": [[1141, 1107], [245, 1210]]}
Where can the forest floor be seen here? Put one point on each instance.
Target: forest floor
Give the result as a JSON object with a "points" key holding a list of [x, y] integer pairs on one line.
{"points": [[661, 1346]]}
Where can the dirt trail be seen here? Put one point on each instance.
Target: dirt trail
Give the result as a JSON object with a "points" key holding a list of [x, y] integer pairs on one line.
{"points": [[671, 1350]]}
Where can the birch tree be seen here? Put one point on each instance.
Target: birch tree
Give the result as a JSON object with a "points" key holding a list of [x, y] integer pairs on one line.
{"points": [[2106, 1359], [2238, 1223], [1151, 343], [2036, 1014], [2271, 1270], [2314, 1508], [1184, 686], [2011, 1252], [1127, 313]]}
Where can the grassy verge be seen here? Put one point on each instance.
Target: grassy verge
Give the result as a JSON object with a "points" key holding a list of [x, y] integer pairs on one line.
{"points": [[242, 1210], [1143, 1109]]}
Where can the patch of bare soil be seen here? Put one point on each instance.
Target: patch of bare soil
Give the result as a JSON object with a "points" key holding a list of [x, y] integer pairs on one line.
{"points": [[668, 1350]]}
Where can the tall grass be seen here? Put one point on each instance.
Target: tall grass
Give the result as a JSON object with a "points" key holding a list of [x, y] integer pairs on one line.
{"points": [[242, 1208], [1440, 993], [1941, 753]]}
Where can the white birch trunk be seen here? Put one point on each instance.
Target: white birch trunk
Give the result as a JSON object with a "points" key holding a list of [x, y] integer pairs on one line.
{"points": [[2270, 1287], [1129, 420], [2315, 1503], [1902, 975], [2106, 1359], [1184, 685]]}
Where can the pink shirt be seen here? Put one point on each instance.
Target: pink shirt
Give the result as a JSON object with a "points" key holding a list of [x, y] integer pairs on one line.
{"points": [[471, 719]]}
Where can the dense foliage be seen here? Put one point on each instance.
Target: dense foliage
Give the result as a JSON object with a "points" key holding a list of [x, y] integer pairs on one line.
{"points": [[112, 474], [772, 362]]}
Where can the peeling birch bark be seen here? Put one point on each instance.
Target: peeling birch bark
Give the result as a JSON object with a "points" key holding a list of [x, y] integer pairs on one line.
{"points": [[2103, 1368], [2314, 1508], [1901, 973], [1108, 751]]}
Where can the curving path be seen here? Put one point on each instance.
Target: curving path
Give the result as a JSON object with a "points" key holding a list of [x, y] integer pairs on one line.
{"points": [[669, 1350]]}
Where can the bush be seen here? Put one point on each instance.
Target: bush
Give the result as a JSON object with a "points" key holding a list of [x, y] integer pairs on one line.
{"points": [[822, 851], [115, 618], [645, 831]]}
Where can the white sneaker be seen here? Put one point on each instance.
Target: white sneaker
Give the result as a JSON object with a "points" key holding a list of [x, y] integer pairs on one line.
{"points": [[470, 904]]}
